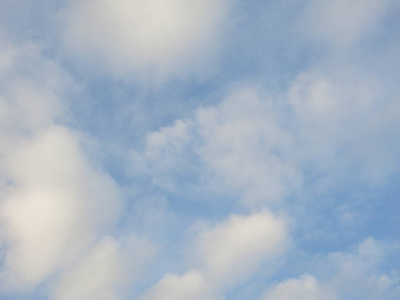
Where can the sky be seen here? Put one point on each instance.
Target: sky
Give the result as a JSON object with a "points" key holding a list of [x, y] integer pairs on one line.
{"points": [[199, 149]]}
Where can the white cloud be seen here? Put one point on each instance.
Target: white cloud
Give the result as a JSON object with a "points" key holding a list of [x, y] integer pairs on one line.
{"points": [[235, 249], [227, 255], [343, 23], [54, 201], [245, 146], [105, 271], [94, 278], [240, 147], [304, 288], [191, 285], [155, 38], [333, 125], [344, 125], [55, 205], [357, 272], [354, 274], [30, 90]]}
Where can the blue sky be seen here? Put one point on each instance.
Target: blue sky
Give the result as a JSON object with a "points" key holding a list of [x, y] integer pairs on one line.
{"points": [[201, 149]]}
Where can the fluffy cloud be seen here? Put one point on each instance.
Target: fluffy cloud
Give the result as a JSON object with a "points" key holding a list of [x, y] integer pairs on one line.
{"points": [[239, 145], [329, 125], [105, 270], [154, 38], [354, 274], [343, 122], [357, 273], [55, 203], [233, 250], [329, 130], [245, 146], [95, 277], [304, 288], [53, 207], [227, 255], [191, 285]]}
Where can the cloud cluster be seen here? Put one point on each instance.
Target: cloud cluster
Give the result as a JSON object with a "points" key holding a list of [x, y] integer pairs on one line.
{"points": [[344, 275], [266, 147], [57, 206], [71, 230], [228, 254]]}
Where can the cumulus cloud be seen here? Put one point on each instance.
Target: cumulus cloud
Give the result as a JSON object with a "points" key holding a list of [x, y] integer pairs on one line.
{"points": [[95, 277], [353, 274], [339, 115], [246, 147], [191, 285], [55, 202], [331, 125], [53, 207], [105, 270], [357, 273], [227, 255], [304, 288], [233, 250], [240, 146], [154, 38]]}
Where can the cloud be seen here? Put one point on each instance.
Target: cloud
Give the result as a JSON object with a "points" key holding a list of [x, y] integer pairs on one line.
{"points": [[304, 288], [105, 271], [328, 129], [329, 125], [345, 22], [353, 274], [228, 254], [156, 39], [96, 276], [165, 152], [233, 250], [191, 285], [344, 125], [245, 146], [54, 201], [238, 146], [358, 272], [55, 205], [27, 78]]}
